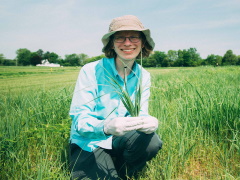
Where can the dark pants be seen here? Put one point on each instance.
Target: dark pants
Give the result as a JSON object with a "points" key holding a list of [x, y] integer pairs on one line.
{"points": [[128, 155]]}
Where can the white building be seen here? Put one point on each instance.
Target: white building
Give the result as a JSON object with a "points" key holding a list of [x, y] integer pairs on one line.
{"points": [[47, 64]]}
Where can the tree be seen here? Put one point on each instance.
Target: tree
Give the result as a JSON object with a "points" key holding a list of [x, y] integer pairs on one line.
{"points": [[238, 63], [6, 62], [40, 53], [214, 60], [211, 60], [72, 60], [179, 61], [147, 62], [95, 58], [82, 58], [172, 55], [159, 57], [229, 58], [2, 58], [150, 62], [194, 57], [190, 57], [23, 56], [35, 59], [51, 57], [9, 62], [218, 60], [186, 58], [166, 62]]}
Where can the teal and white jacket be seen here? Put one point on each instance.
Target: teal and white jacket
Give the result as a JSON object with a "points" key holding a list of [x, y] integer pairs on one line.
{"points": [[95, 100]]}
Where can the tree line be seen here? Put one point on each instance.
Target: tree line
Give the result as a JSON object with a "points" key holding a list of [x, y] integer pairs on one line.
{"points": [[180, 58]]}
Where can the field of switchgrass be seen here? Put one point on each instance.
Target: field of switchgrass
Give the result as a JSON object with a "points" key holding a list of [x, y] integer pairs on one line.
{"points": [[198, 110]]}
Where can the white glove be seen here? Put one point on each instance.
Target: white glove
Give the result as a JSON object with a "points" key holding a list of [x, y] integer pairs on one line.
{"points": [[121, 125], [150, 125]]}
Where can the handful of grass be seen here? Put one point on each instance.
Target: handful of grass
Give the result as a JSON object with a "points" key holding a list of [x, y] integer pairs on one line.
{"points": [[133, 108]]}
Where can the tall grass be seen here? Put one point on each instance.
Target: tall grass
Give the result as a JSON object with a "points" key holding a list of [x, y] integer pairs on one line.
{"points": [[199, 113], [34, 133], [198, 110], [34, 125]]}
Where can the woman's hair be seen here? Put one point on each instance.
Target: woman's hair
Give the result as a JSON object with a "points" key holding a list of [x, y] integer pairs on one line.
{"points": [[110, 52]]}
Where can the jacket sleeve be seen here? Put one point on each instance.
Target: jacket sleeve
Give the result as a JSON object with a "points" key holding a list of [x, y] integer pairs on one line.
{"points": [[85, 120], [146, 84]]}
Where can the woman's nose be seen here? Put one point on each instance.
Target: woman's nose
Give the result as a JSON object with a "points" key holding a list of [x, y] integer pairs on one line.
{"points": [[127, 41]]}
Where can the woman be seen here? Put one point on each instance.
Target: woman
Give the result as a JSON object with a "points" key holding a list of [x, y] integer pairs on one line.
{"points": [[106, 141]]}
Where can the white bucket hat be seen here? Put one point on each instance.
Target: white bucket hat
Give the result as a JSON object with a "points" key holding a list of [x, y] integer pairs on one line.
{"points": [[127, 23]]}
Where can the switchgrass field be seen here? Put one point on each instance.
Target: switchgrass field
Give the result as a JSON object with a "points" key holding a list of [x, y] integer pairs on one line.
{"points": [[198, 111]]}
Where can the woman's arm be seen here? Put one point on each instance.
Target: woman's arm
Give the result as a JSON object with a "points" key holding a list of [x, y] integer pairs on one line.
{"points": [[83, 107]]}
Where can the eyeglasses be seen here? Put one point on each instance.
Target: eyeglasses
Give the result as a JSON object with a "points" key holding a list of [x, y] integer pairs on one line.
{"points": [[121, 39]]}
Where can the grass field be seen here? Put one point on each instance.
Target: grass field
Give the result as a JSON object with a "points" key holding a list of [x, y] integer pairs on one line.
{"points": [[198, 110]]}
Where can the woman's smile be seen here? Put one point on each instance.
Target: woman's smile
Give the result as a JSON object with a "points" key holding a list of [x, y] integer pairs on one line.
{"points": [[128, 51]]}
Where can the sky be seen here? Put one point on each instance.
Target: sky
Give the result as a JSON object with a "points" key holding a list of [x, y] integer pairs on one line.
{"points": [[77, 26]]}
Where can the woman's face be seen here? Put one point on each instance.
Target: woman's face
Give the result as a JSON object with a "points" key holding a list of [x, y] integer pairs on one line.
{"points": [[127, 48]]}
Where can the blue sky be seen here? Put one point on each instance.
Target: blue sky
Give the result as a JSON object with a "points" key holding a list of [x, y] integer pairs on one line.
{"points": [[77, 26]]}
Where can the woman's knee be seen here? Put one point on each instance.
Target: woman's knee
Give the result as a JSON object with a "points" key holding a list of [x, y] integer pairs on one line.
{"points": [[145, 146], [151, 141], [154, 146]]}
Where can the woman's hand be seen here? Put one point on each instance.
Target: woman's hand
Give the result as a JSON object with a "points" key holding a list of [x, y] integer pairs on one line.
{"points": [[150, 124], [121, 125]]}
